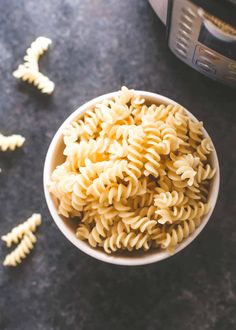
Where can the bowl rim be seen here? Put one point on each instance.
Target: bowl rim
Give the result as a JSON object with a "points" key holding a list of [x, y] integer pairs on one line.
{"points": [[145, 258]]}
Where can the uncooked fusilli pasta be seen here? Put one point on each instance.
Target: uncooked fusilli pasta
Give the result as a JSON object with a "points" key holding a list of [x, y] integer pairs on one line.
{"points": [[29, 71], [11, 142], [137, 175], [19, 231], [21, 251], [36, 49]]}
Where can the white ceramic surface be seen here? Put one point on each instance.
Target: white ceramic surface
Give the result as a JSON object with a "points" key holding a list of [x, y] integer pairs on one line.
{"points": [[67, 227]]}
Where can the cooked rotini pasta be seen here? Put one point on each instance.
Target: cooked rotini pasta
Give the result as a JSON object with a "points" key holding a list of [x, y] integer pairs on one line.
{"points": [[16, 234], [126, 241], [170, 199], [11, 142], [29, 71], [204, 148], [136, 175], [206, 173], [195, 133], [175, 234], [188, 212], [185, 168], [21, 251]]}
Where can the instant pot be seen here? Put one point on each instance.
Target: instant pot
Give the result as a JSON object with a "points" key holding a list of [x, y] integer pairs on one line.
{"points": [[202, 34]]}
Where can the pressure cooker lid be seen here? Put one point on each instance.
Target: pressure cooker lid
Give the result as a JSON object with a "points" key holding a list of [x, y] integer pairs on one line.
{"points": [[222, 9]]}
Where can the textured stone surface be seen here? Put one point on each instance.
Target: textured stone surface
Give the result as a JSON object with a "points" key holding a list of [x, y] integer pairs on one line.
{"points": [[99, 45]]}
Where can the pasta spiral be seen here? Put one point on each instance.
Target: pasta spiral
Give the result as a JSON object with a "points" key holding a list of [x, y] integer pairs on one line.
{"points": [[107, 178], [21, 251], [119, 131], [195, 133], [169, 199], [63, 186], [170, 142], [193, 192], [204, 149], [113, 112], [185, 168], [137, 175], [189, 212], [179, 121], [72, 133], [118, 150], [141, 201], [152, 156], [90, 126], [11, 142], [206, 173], [128, 241], [119, 191], [34, 77], [135, 150], [175, 178], [94, 150], [176, 235], [182, 169], [29, 71], [37, 48], [17, 233], [127, 95], [82, 231], [142, 223]]}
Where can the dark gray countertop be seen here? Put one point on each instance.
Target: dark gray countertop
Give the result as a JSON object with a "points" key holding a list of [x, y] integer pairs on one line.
{"points": [[99, 45]]}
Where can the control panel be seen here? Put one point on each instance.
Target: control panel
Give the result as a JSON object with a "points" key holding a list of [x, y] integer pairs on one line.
{"points": [[193, 42]]}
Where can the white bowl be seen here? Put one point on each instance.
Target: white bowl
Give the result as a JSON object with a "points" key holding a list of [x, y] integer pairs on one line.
{"points": [[67, 226]]}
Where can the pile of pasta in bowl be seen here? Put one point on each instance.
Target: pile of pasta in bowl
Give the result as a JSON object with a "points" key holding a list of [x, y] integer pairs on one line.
{"points": [[135, 175]]}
